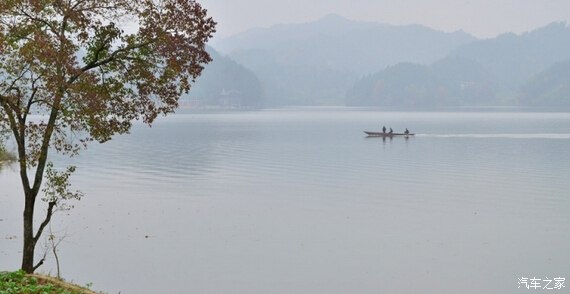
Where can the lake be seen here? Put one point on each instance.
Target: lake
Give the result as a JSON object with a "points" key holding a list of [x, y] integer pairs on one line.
{"points": [[300, 201]]}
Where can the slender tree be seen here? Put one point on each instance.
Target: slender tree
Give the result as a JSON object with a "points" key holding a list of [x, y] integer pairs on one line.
{"points": [[75, 71]]}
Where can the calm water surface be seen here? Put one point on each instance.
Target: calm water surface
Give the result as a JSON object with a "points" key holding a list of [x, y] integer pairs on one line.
{"points": [[300, 201]]}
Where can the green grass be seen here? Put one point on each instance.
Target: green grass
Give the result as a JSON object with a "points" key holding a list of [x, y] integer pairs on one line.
{"points": [[20, 283]]}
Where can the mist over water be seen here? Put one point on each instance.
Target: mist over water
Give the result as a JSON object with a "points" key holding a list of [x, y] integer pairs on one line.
{"points": [[300, 201]]}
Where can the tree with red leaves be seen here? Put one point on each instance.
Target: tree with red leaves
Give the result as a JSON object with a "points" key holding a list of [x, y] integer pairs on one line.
{"points": [[75, 71]]}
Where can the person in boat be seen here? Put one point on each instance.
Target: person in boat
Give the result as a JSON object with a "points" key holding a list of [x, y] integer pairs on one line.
{"points": [[383, 129], [407, 132], [391, 131]]}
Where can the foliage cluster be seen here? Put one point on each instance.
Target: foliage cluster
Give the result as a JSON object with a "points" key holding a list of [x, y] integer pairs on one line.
{"points": [[5, 155]]}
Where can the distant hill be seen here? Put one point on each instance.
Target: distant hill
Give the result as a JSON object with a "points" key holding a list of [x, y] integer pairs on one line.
{"points": [[405, 84], [512, 59], [497, 71], [448, 82], [315, 63], [465, 81], [550, 87], [225, 83]]}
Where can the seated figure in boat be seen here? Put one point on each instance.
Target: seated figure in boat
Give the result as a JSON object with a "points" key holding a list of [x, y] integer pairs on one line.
{"points": [[391, 131], [407, 132]]}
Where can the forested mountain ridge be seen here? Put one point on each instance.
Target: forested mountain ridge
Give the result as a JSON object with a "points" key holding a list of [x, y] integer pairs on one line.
{"points": [[315, 63], [512, 59], [507, 70], [550, 87]]}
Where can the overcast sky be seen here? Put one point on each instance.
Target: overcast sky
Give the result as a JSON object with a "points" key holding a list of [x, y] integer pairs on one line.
{"points": [[482, 18]]}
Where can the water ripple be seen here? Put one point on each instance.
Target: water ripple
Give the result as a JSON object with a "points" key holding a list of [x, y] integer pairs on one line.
{"points": [[503, 136]]}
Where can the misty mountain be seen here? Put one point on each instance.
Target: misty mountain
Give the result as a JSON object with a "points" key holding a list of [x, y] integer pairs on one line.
{"points": [[448, 82], [405, 84], [496, 71], [550, 87], [315, 63], [282, 34], [512, 59], [225, 83]]}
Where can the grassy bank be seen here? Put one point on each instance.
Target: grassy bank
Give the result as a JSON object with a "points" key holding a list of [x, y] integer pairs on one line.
{"points": [[19, 282]]}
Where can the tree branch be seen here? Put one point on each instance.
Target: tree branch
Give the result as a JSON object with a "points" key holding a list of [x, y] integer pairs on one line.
{"points": [[46, 221], [94, 6], [98, 63], [11, 119], [33, 18], [13, 87], [31, 100], [10, 104], [25, 70], [18, 131], [39, 264]]}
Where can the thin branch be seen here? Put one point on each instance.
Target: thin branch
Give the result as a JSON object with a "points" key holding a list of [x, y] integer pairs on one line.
{"points": [[20, 76], [95, 7], [105, 42], [33, 18], [46, 221], [11, 119], [76, 4], [18, 129], [46, 102], [38, 264], [15, 108], [12, 87], [96, 63], [54, 246], [31, 100]]}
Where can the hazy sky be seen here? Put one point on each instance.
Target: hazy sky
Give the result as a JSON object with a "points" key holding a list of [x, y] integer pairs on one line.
{"points": [[482, 18]]}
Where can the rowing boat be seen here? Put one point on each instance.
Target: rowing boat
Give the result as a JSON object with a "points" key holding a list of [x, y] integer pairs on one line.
{"points": [[389, 135]]}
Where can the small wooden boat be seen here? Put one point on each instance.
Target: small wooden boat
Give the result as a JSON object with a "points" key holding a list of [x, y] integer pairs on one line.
{"points": [[387, 135]]}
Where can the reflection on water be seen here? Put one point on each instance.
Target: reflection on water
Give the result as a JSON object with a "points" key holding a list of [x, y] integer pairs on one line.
{"points": [[300, 201]]}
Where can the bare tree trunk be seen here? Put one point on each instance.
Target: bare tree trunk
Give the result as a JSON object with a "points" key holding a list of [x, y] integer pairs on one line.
{"points": [[29, 241]]}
